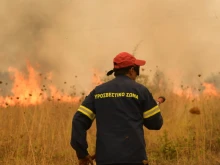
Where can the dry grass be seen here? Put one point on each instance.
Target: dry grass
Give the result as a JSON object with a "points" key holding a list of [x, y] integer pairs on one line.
{"points": [[36, 135], [41, 134], [186, 137]]}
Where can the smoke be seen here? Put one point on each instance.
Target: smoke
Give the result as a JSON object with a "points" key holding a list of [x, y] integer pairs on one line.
{"points": [[214, 78], [183, 38], [70, 37]]}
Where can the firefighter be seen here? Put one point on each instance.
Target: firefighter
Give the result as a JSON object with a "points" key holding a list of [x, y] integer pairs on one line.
{"points": [[121, 108]]}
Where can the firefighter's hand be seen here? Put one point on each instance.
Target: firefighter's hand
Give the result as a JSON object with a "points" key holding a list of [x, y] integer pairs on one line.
{"points": [[86, 161], [161, 100]]}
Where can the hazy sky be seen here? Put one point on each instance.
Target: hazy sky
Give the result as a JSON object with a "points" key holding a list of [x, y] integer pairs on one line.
{"points": [[70, 37]]}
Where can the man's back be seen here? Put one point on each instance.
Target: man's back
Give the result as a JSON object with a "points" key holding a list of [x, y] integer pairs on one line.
{"points": [[119, 111]]}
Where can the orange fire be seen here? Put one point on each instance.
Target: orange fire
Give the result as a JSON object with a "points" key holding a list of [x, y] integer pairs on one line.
{"points": [[190, 92], [210, 89], [28, 90]]}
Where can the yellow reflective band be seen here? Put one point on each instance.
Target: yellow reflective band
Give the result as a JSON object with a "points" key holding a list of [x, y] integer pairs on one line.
{"points": [[152, 112], [87, 112]]}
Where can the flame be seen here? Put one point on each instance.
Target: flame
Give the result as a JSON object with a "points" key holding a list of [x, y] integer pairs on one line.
{"points": [[210, 89], [190, 92], [187, 92], [30, 89], [27, 89]]}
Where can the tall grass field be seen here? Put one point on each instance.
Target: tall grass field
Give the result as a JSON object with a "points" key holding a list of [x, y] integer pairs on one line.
{"points": [[40, 134]]}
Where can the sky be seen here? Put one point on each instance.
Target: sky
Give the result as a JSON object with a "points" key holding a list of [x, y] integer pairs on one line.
{"points": [[74, 37]]}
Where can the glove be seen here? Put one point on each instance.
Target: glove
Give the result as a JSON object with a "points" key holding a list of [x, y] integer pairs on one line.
{"points": [[86, 161]]}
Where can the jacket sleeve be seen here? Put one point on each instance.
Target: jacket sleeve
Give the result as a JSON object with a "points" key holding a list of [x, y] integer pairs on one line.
{"points": [[82, 121], [153, 119]]}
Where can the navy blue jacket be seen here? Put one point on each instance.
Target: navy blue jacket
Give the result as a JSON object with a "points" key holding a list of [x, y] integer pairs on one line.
{"points": [[121, 108]]}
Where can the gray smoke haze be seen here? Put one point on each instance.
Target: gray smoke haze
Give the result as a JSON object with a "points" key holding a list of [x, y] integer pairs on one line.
{"points": [[70, 37]]}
